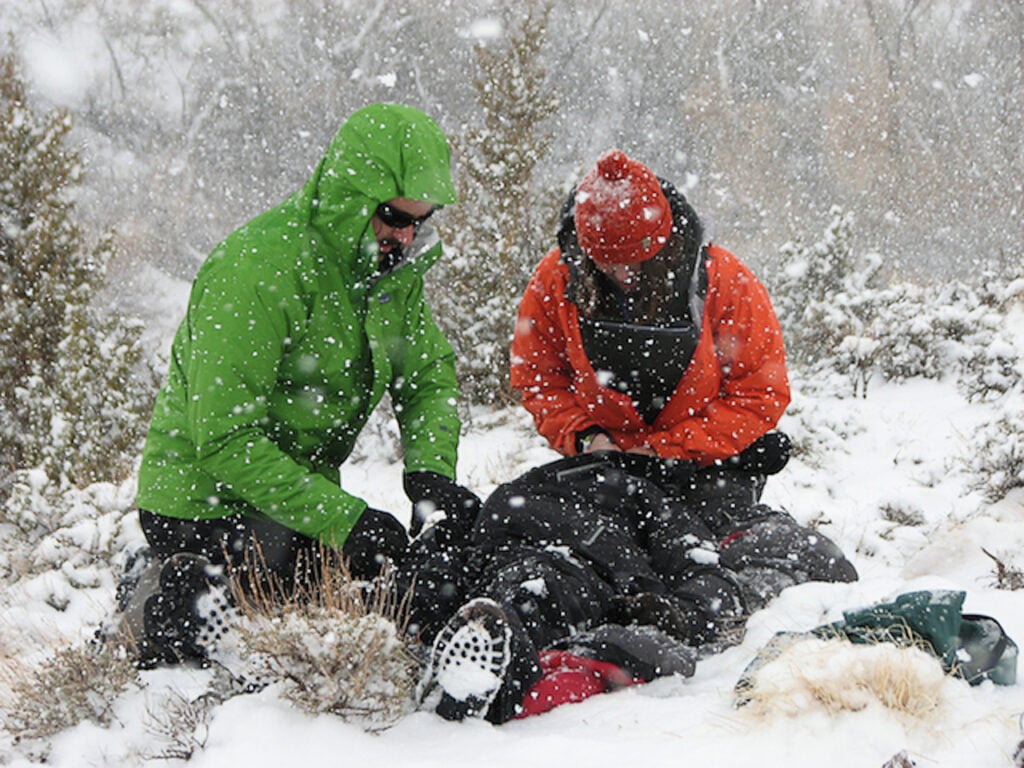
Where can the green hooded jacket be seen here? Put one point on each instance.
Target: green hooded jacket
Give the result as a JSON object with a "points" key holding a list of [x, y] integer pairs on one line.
{"points": [[291, 339]]}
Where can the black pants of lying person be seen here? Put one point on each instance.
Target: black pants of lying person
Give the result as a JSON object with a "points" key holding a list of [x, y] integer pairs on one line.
{"points": [[624, 558]]}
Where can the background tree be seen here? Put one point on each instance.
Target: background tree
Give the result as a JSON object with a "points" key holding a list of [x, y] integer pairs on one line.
{"points": [[75, 393], [907, 113], [808, 289], [503, 223]]}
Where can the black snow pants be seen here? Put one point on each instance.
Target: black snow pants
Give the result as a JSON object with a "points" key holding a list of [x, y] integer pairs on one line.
{"points": [[261, 553]]}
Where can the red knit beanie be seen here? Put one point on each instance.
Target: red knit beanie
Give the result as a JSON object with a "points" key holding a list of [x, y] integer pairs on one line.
{"points": [[622, 216]]}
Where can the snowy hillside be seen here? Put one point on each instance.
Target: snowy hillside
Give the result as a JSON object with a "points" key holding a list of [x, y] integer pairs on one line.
{"points": [[886, 486]]}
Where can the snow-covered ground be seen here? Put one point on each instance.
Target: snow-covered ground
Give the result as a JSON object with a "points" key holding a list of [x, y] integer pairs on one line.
{"points": [[886, 485]]}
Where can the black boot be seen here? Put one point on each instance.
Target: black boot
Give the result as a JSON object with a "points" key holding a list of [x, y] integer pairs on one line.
{"points": [[189, 613]]}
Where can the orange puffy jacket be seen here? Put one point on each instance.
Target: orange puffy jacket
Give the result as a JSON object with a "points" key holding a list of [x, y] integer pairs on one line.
{"points": [[734, 390]]}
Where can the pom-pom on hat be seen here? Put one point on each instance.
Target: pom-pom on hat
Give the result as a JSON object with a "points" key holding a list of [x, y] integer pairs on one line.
{"points": [[622, 216]]}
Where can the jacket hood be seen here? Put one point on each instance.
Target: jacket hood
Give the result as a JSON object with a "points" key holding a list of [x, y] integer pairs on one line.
{"points": [[381, 152]]}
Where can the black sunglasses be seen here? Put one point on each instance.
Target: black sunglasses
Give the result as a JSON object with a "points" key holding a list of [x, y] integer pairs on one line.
{"points": [[399, 219]]}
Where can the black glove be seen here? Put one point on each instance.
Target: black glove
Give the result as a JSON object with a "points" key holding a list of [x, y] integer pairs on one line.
{"points": [[430, 492], [376, 537], [766, 456]]}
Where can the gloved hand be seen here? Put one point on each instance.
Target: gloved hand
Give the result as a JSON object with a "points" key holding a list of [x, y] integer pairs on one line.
{"points": [[376, 537], [767, 455], [430, 492]]}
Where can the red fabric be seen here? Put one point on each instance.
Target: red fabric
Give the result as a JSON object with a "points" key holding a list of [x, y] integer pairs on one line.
{"points": [[731, 538], [734, 390], [568, 678], [622, 216]]}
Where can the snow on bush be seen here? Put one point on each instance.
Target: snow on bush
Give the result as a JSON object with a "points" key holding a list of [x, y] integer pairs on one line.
{"points": [[355, 667], [995, 456], [340, 648], [840, 316], [75, 684], [76, 531]]}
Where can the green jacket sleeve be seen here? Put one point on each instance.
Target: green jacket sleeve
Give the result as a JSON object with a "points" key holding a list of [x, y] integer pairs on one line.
{"points": [[424, 387]]}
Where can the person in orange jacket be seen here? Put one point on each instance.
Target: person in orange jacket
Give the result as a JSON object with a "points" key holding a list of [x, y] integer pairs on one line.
{"points": [[636, 334]]}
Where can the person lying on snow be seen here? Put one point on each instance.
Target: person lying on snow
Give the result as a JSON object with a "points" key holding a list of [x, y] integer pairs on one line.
{"points": [[596, 571]]}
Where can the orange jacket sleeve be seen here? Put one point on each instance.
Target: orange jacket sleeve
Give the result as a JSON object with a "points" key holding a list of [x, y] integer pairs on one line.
{"points": [[540, 369]]}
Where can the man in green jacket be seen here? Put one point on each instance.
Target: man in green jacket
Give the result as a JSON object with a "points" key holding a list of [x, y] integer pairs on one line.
{"points": [[297, 324]]}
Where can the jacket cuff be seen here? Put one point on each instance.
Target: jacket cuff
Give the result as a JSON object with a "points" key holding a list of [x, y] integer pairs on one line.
{"points": [[584, 436]]}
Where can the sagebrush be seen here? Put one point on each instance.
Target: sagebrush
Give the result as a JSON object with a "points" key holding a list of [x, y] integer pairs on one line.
{"points": [[339, 647], [75, 387], [75, 684], [843, 313]]}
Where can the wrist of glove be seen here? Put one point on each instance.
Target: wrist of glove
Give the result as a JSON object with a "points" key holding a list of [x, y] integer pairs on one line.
{"points": [[585, 438], [376, 538], [431, 492]]}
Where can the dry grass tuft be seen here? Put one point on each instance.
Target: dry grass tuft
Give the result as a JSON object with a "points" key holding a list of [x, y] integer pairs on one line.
{"points": [[900, 760], [1005, 576], [74, 685], [835, 675], [180, 724], [334, 646], [338, 646]]}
